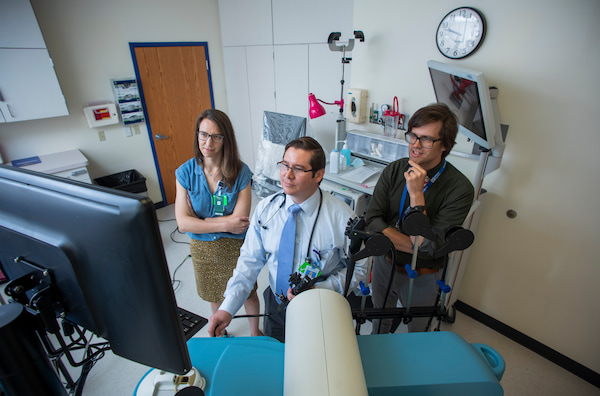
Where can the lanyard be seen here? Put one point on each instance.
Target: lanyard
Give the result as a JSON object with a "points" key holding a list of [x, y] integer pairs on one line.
{"points": [[425, 188]]}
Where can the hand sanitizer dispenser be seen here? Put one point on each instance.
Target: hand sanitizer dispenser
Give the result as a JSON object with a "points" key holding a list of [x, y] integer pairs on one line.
{"points": [[345, 154]]}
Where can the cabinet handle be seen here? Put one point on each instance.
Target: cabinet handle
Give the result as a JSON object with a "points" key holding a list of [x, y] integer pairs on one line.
{"points": [[79, 172], [158, 136], [6, 111]]}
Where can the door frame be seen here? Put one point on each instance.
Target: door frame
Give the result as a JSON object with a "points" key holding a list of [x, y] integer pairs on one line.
{"points": [[132, 47]]}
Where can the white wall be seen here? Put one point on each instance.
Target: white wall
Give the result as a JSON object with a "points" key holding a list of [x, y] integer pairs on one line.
{"points": [[539, 272], [89, 44]]}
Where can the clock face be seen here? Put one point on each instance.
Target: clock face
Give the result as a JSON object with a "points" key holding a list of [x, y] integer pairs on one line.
{"points": [[460, 33]]}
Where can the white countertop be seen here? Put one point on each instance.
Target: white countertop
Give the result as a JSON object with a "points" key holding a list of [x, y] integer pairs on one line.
{"points": [[367, 186]]}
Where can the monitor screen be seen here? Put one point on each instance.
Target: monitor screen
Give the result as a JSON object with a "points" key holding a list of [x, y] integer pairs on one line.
{"points": [[104, 252], [467, 94]]}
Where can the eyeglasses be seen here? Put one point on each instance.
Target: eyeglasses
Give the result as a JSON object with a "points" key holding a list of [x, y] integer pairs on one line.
{"points": [[295, 170], [215, 138], [426, 141]]}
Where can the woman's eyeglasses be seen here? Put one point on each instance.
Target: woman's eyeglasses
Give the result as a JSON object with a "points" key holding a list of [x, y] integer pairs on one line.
{"points": [[215, 138]]}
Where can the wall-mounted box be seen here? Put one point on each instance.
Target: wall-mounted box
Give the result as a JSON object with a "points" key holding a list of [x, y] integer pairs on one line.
{"points": [[101, 115], [356, 105]]}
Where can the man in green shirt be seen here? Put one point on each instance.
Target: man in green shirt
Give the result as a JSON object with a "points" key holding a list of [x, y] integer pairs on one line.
{"points": [[427, 182]]}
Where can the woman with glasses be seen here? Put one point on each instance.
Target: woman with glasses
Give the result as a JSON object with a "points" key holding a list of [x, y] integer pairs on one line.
{"points": [[212, 206]]}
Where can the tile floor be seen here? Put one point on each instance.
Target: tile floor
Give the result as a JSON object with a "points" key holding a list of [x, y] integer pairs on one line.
{"points": [[526, 372]]}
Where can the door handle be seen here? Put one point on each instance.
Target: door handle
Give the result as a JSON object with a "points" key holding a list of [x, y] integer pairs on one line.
{"points": [[158, 136]]}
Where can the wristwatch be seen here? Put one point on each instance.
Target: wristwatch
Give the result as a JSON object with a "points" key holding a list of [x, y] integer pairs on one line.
{"points": [[418, 208]]}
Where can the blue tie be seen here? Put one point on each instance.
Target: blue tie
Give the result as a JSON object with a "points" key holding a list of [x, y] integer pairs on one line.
{"points": [[286, 251]]}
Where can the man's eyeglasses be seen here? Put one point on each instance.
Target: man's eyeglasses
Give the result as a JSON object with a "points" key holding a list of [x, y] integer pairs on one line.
{"points": [[215, 138], [426, 141], [295, 170]]}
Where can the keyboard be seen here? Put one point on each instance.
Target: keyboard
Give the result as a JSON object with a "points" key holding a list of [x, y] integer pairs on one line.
{"points": [[190, 322]]}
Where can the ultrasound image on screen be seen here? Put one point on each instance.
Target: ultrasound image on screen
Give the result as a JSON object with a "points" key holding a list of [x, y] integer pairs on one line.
{"points": [[462, 97]]}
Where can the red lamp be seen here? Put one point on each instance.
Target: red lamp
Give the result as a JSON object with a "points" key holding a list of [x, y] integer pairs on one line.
{"points": [[316, 110]]}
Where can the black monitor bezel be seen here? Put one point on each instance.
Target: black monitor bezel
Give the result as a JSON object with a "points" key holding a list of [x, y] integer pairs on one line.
{"points": [[104, 251]]}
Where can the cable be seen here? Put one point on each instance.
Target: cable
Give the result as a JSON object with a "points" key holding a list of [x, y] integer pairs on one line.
{"points": [[179, 232], [176, 283]]}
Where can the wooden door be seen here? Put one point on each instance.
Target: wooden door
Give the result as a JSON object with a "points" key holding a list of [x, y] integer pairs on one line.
{"points": [[175, 86]]}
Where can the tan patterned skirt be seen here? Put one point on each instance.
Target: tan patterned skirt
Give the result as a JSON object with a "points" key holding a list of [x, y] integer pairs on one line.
{"points": [[214, 262]]}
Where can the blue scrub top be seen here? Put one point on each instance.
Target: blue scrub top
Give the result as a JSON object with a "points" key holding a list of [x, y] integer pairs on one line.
{"points": [[191, 176]]}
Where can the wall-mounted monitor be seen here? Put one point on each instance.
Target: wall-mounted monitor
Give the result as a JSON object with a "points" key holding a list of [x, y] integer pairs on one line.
{"points": [[103, 251], [468, 96]]}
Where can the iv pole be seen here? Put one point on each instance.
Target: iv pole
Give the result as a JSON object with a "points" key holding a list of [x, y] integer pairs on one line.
{"points": [[340, 130]]}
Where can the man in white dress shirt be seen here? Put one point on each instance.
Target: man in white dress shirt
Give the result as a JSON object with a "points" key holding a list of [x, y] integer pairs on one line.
{"points": [[320, 239]]}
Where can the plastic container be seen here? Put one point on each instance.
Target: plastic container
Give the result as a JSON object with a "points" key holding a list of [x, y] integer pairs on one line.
{"points": [[131, 181], [346, 153], [390, 120], [334, 161]]}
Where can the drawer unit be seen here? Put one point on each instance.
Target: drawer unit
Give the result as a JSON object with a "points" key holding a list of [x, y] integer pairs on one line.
{"points": [[78, 174]]}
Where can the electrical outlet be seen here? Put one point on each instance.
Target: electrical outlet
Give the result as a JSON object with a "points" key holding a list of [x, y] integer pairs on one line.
{"points": [[101, 136], [136, 129]]}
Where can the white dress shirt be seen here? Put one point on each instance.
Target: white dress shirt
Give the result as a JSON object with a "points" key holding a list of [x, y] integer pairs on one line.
{"points": [[261, 245]]}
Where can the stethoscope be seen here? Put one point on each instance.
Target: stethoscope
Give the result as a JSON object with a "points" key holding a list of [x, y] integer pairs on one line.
{"points": [[282, 194]]}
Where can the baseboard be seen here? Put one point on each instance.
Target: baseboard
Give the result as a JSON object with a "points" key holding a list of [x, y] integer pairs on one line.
{"points": [[555, 357]]}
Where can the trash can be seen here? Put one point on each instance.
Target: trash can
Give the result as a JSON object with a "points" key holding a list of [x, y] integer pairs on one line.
{"points": [[131, 181]]}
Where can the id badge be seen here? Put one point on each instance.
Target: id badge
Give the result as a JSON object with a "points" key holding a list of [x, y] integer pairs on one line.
{"points": [[219, 202], [310, 269]]}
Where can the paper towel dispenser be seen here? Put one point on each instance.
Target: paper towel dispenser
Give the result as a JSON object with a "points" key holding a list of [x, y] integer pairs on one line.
{"points": [[356, 105]]}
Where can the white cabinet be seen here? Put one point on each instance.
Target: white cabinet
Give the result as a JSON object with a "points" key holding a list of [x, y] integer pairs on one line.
{"points": [[245, 22], [29, 88], [275, 53], [311, 21], [18, 25]]}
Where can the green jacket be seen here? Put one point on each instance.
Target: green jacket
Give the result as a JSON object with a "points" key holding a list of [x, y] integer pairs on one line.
{"points": [[447, 202]]}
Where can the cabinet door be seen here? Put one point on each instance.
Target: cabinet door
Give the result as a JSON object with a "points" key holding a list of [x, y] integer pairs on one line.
{"points": [[245, 22], [29, 88], [261, 89], [291, 79], [249, 98], [236, 83], [18, 25]]}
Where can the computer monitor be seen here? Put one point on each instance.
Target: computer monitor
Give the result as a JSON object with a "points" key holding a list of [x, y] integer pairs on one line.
{"points": [[468, 96], [103, 251]]}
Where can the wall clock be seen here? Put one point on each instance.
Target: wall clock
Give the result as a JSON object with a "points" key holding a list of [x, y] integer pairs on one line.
{"points": [[460, 33]]}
